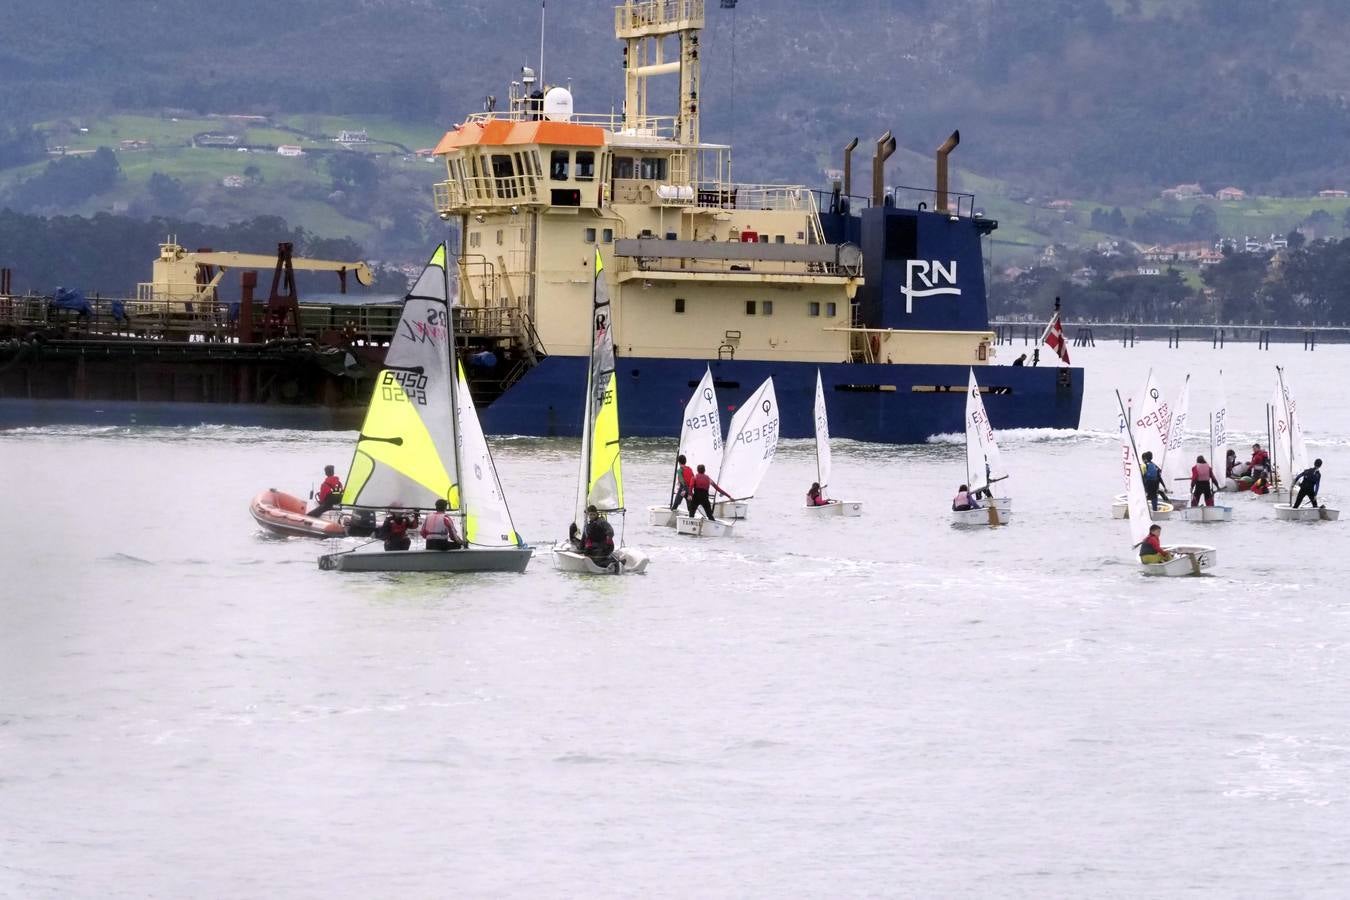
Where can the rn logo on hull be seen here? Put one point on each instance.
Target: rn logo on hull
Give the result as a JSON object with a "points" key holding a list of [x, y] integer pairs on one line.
{"points": [[935, 278]]}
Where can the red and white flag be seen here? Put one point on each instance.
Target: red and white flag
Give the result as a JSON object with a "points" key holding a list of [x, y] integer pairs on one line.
{"points": [[1054, 337]]}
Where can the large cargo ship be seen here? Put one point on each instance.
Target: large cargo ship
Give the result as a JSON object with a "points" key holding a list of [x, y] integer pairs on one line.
{"points": [[884, 293]]}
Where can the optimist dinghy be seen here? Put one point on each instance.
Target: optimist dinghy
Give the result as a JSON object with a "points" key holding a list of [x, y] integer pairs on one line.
{"points": [[752, 442], [1290, 450], [422, 442], [600, 476], [1187, 559], [700, 443], [984, 465], [851, 508]]}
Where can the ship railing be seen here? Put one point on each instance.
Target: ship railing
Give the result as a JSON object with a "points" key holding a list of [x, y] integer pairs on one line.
{"points": [[646, 127], [738, 258], [635, 19], [906, 197], [485, 191]]}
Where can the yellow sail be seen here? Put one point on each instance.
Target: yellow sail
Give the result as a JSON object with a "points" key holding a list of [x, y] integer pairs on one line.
{"points": [[412, 453], [605, 485]]}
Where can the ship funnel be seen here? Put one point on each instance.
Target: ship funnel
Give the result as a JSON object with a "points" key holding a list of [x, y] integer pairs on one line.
{"points": [[848, 166], [942, 153], [885, 147]]}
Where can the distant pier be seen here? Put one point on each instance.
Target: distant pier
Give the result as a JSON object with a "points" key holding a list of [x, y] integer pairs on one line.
{"points": [[1217, 336]]}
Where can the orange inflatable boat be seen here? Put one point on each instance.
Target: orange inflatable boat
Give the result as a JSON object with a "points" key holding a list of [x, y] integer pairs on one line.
{"points": [[284, 514]]}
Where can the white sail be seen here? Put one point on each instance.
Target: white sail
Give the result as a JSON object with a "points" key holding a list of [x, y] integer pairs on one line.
{"points": [[405, 454], [822, 436], [984, 463], [752, 442], [1279, 436], [1139, 518], [1150, 417], [487, 520], [1297, 450], [1218, 430], [701, 433], [1173, 457]]}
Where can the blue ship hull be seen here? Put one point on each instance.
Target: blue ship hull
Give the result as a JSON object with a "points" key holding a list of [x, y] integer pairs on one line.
{"points": [[866, 402]]}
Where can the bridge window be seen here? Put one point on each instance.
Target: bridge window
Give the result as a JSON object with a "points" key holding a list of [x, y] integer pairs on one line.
{"points": [[504, 175], [813, 308], [607, 235], [831, 310], [749, 307], [767, 307], [590, 236], [557, 165], [623, 167], [652, 168], [679, 305], [585, 165]]}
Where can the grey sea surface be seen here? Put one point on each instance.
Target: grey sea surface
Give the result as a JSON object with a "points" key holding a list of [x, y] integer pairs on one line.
{"points": [[882, 706]]}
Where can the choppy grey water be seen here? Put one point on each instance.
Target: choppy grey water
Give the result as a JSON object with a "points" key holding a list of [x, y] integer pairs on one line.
{"points": [[876, 706]]}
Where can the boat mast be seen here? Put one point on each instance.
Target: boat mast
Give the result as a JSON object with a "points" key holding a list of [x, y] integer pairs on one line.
{"points": [[454, 386], [584, 474]]}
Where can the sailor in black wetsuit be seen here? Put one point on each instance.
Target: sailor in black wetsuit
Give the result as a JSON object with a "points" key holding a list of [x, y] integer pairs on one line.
{"points": [[1308, 481], [598, 539]]}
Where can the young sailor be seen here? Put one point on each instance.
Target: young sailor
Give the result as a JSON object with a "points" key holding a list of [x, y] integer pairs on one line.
{"points": [[330, 493], [394, 531], [1260, 462], [438, 529], [700, 498], [1203, 482], [1152, 479], [598, 539], [1308, 482], [815, 496], [684, 483], [964, 499], [1151, 550]]}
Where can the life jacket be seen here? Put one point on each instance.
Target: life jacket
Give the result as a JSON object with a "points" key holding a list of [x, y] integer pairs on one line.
{"points": [[396, 527], [1150, 546], [1202, 473], [816, 498], [599, 534], [962, 500], [331, 484], [1152, 474], [702, 481], [1260, 458], [687, 476], [438, 525]]}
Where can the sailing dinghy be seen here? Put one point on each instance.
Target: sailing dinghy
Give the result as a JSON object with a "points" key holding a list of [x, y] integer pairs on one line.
{"points": [[600, 476], [752, 441], [1187, 559], [1174, 454], [1291, 452], [984, 465], [830, 507], [1144, 429], [700, 443], [420, 435]]}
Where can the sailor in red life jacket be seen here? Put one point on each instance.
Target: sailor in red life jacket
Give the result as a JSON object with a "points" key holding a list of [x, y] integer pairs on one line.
{"points": [[1151, 550], [394, 530], [1203, 482], [700, 499], [815, 496], [964, 499], [1260, 460], [684, 484], [438, 529], [330, 493]]}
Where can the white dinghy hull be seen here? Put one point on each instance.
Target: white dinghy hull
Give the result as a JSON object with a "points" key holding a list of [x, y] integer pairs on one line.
{"points": [[661, 516], [981, 518], [846, 508], [1214, 513], [1286, 513], [732, 509], [631, 561], [1189, 559], [471, 559], [1120, 509], [697, 526]]}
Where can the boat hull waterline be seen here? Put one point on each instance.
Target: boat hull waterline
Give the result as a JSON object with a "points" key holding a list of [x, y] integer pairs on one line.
{"points": [[843, 508], [1187, 560], [631, 561], [283, 514], [470, 559]]}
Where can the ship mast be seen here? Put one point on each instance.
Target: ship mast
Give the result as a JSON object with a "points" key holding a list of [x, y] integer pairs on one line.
{"points": [[643, 26]]}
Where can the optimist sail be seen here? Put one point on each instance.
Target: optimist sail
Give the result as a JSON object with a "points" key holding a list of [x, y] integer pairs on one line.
{"points": [[984, 463], [752, 442], [822, 436], [1176, 430], [487, 520], [405, 454], [1139, 519], [1296, 451], [1218, 429], [601, 477], [1150, 419], [701, 433]]}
